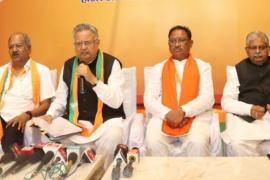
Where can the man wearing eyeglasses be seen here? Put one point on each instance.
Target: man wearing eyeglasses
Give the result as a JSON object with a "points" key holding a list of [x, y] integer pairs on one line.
{"points": [[100, 102], [180, 97], [246, 99]]}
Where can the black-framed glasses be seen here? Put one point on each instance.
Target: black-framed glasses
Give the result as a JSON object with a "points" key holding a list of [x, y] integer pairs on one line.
{"points": [[178, 41], [86, 43], [254, 48]]}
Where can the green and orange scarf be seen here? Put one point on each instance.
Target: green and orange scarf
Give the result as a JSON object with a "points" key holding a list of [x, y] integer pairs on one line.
{"points": [[73, 100], [35, 78], [189, 91]]}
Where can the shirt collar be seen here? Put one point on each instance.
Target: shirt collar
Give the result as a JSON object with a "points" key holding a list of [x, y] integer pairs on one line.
{"points": [[27, 65]]}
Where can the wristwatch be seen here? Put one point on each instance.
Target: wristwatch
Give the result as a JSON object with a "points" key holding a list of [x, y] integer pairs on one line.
{"points": [[29, 113]]}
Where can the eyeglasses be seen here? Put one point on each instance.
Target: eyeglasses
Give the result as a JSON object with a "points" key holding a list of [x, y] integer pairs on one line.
{"points": [[17, 46], [179, 41], [86, 43], [254, 48]]}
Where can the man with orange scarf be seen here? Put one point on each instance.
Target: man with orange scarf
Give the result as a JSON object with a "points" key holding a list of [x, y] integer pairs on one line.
{"points": [[25, 91], [179, 96]]}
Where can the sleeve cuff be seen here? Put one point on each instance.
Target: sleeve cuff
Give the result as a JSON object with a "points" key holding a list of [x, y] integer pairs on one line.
{"points": [[185, 109]]}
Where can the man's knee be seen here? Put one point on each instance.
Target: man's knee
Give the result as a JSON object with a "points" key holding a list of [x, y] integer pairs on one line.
{"points": [[110, 139], [198, 140], [242, 148]]}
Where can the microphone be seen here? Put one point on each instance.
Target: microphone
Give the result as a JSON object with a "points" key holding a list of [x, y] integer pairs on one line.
{"points": [[19, 161], [16, 150], [81, 82], [34, 158], [45, 160], [72, 158], [81, 85], [116, 170], [56, 160], [88, 156], [7, 157], [128, 170], [121, 151], [133, 156]]}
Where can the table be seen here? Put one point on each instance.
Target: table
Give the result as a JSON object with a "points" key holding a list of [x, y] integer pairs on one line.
{"points": [[85, 171], [199, 168]]}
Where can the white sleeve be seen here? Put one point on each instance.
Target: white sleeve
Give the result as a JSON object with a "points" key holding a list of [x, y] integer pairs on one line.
{"points": [[229, 101], [152, 94], [111, 94], [205, 99], [46, 87], [58, 105]]}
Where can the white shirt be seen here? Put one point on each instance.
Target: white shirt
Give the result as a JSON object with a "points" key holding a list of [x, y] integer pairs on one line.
{"points": [[237, 128], [110, 94], [203, 102], [229, 101], [19, 98]]}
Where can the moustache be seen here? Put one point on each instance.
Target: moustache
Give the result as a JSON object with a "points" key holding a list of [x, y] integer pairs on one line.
{"points": [[84, 53], [14, 54]]}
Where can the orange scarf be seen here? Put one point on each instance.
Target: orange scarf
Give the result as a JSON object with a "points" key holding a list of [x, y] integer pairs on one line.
{"points": [[35, 78], [189, 91]]}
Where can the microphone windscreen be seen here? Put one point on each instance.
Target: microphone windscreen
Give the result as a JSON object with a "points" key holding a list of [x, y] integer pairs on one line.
{"points": [[121, 147], [88, 156], [72, 157], [47, 157], [7, 157], [22, 158], [15, 148], [37, 156], [133, 155]]}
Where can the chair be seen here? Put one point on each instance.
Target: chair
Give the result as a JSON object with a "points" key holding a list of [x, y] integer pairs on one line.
{"points": [[215, 140], [130, 102], [53, 73], [133, 125]]}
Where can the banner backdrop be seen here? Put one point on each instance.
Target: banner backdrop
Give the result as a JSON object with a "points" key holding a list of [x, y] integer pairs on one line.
{"points": [[136, 31]]}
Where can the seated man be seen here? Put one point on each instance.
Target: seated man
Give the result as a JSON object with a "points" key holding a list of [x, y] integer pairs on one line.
{"points": [[246, 99], [179, 95], [101, 102], [26, 90]]}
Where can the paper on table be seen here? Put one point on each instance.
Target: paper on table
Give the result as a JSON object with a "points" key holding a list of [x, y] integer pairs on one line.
{"points": [[242, 130], [59, 127], [78, 139]]}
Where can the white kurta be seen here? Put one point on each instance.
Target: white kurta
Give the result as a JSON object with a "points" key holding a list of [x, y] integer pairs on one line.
{"points": [[110, 94], [239, 131], [198, 107], [19, 98], [109, 134]]}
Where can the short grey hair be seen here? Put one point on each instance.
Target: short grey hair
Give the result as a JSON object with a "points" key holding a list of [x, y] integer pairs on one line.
{"points": [[254, 34], [26, 38], [85, 27]]}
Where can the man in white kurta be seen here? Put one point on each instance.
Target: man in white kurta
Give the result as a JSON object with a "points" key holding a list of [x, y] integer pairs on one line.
{"points": [[18, 94], [108, 91], [246, 99], [196, 141]]}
